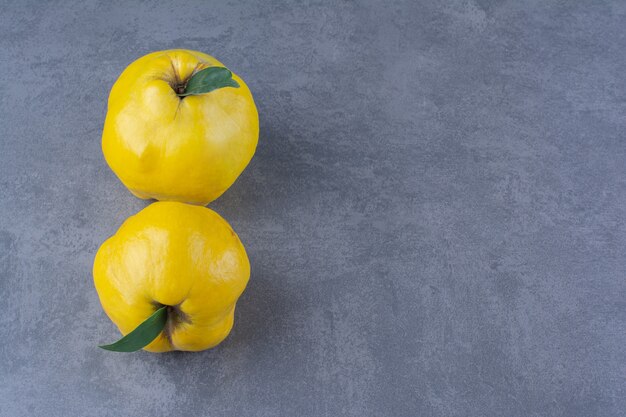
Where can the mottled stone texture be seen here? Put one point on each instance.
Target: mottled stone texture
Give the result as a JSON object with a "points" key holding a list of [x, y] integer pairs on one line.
{"points": [[434, 216]]}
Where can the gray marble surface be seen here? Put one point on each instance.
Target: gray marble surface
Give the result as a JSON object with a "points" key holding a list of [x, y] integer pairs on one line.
{"points": [[434, 215]]}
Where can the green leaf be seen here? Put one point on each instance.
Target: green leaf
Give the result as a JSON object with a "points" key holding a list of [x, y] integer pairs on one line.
{"points": [[143, 334], [209, 79]]}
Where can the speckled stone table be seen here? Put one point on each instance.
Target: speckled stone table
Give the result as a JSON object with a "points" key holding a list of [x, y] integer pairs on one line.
{"points": [[435, 215]]}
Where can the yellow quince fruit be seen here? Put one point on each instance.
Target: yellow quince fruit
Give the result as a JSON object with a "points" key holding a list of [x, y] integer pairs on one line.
{"points": [[179, 127], [175, 270]]}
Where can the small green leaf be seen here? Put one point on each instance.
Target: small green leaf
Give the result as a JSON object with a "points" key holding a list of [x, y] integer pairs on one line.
{"points": [[143, 334], [209, 79]]}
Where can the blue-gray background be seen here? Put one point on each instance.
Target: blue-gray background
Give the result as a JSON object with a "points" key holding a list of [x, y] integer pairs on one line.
{"points": [[434, 215]]}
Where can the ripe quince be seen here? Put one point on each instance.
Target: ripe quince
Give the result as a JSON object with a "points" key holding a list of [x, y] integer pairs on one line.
{"points": [[179, 127], [174, 262]]}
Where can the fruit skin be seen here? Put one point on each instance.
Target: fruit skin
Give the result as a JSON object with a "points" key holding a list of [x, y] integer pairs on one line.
{"points": [[167, 148], [178, 255]]}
